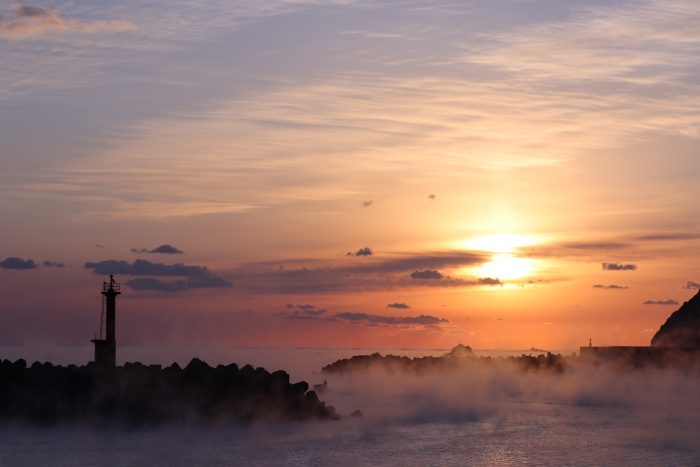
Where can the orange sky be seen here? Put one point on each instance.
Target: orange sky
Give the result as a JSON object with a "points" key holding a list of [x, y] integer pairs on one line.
{"points": [[492, 157]]}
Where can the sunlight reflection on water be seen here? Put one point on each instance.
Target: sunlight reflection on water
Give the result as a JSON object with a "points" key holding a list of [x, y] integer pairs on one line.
{"points": [[537, 436]]}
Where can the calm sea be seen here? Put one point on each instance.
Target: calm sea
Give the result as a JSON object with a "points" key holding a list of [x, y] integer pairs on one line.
{"points": [[488, 416]]}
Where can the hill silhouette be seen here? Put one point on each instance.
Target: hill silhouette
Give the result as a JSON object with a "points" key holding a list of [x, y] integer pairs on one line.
{"points": [[682, 328]]}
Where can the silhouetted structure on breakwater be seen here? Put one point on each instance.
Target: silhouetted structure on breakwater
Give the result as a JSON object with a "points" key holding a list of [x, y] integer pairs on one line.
{"points": [[639, 356], [106, 344], [137, 394]]}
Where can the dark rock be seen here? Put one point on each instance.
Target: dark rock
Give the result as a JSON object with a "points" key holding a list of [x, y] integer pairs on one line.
{"points": [[137, 394], [460, 351], [357, 414]]}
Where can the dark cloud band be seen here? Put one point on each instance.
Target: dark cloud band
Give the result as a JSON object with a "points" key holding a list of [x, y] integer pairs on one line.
{"points": [[661, 302], [619, 267], [13, 262], [164, 249], [196, 277], [424, 320]]}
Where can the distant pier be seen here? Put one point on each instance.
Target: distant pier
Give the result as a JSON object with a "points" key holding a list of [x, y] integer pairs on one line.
{"points": [[640, 355]]}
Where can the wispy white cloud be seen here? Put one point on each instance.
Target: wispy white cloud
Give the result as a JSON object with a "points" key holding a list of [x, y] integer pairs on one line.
{"points": [[369, 125], [651, 42], [29, 21], [73, 46], [519, 100]]}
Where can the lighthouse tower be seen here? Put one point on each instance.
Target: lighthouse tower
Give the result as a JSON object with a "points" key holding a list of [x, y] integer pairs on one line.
{"points": [[106, 344]]}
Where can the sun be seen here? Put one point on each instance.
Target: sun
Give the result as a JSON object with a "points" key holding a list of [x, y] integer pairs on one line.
{"points": [[506, 267], [504, 264]]}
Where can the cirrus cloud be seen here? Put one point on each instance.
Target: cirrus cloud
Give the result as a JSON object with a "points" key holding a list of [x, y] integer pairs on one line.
{"points": [[29, 21]]}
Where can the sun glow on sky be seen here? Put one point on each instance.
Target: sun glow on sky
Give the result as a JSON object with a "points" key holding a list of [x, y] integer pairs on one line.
{"points": [[342, 173], [500, 243], [505, 266], [504, 263]]}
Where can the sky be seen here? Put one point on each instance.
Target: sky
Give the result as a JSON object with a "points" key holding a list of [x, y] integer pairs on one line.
{"points": [[348, 173]]}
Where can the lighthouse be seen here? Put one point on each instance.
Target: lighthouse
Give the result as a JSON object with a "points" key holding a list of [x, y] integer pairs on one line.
{"points": [[106, 344]]}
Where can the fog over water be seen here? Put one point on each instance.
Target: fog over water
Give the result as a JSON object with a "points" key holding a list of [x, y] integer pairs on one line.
{"points": [[479, 415], [300, 363]]}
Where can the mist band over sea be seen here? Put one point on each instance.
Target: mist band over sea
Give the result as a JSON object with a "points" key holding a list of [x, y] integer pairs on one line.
{"points": [[477, 415], [300, 363]]}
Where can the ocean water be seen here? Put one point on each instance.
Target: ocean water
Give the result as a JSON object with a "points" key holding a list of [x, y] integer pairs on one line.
{"points": [[536, 436], [482, 415]]}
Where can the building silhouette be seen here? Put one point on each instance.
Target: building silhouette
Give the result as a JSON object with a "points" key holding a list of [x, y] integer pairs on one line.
{"points": [[106, 344]]}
